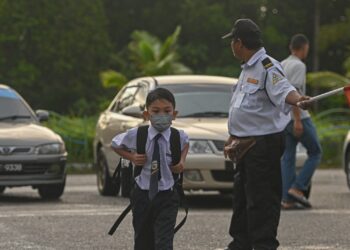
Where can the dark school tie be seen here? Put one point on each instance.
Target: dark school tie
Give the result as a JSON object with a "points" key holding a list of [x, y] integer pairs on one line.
{"points": [[155, 169]]}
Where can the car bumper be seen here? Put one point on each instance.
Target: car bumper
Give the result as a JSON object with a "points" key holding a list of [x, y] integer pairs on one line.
{"points": [[35, 170], [213, 172], [208, 172]]}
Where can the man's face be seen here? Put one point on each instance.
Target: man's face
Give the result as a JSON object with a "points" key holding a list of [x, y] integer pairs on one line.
{"points": [[236, 47], [305, 51], [160, 107]]}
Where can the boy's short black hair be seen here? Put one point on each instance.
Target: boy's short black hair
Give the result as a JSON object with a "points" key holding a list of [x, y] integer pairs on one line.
{"points": [[298, 41], [160, 93]]}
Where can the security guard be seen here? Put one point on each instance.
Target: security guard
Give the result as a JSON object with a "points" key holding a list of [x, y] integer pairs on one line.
{"points": [[259, 109]]}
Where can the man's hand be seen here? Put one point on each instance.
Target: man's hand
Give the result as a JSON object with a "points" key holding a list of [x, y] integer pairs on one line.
{"points": [[178, 168], [228, 142], [298, 128], [303, 102], [294, 98], [138, 159]]}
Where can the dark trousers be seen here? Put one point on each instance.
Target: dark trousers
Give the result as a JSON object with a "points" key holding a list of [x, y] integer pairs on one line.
{"points": [[257, 196], [154, 221]]}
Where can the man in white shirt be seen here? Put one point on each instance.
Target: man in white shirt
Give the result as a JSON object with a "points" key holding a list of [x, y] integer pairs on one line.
{"points": [[299, 129], [261, 101]]}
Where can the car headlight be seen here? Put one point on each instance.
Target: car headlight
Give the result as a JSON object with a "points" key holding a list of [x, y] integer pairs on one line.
{"points": [[50, 149], [200, 147], [193, 175]]}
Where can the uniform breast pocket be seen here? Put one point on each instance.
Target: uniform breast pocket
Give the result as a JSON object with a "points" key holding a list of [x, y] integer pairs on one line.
{"points": [[252, 94]]}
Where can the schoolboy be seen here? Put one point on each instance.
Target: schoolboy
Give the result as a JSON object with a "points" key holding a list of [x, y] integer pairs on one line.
{"points": [[154, 207]]}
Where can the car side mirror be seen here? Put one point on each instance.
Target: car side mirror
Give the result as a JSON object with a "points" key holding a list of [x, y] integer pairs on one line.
{"points": [[42, 115], [134, 111]]}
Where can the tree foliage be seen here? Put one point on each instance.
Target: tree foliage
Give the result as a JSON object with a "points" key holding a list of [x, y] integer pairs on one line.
{"points": [[149, 56], [53, 52]]}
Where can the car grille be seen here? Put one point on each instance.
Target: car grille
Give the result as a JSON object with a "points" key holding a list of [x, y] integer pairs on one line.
{"points": [[27, 169], [21, 150], [7, 150], [226, 175], [219, 145]]}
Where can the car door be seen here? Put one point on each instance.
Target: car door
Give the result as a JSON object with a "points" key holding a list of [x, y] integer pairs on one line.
{"points": [[117, 122], [140, 102]]}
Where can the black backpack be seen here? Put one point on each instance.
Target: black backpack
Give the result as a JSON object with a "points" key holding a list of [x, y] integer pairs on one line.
{"points": [[175, 148]]}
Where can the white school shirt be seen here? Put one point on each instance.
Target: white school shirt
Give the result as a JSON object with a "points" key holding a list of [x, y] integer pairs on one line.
{"points": [[127, 140]]}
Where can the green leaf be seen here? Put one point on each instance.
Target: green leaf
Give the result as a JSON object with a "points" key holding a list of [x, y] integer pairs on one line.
{"points": [[111, 78], [179, 68], [326, 79], [170, 42]]}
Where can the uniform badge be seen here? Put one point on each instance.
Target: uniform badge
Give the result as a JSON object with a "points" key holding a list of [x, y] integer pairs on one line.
{"points": [[276, 78], [154, 167], [252, 80]]}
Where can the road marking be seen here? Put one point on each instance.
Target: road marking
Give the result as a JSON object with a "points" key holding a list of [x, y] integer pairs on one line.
{"points": [[68, 189], [321, 211], [307, 247], [314, 247], [91, 210]]}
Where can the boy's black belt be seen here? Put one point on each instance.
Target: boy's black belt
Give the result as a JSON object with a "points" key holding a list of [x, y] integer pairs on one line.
{"points": [[160, 191]]}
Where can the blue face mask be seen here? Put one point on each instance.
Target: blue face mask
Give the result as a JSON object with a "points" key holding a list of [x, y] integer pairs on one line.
{"points": [[161, 122]]}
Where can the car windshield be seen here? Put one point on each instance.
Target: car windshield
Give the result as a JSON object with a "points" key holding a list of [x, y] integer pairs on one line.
{"points": [[12, 107], [201, 100]]}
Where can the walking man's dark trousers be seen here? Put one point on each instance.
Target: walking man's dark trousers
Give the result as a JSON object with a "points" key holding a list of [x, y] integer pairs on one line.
{"points": [[257, 195]]}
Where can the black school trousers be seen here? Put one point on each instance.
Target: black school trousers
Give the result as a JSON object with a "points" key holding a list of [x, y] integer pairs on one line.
{"points": [[257, 196], [154, 222]]}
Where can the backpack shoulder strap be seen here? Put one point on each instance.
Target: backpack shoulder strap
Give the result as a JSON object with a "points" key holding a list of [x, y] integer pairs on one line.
{"points": [[141, 139], [117, 173], [120, 219], [175, 147]]}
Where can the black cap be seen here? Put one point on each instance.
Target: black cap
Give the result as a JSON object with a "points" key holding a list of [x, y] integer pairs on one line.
{"points": [[244, 29]]}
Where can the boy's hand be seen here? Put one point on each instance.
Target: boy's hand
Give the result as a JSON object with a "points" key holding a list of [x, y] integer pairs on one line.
{"points": [[178, 168], [138, 159]]}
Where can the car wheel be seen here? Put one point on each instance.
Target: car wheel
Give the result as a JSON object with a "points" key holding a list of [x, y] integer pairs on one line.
{"points": [[2, 189], [52, 191], [347, 167], [126, 181], [105, 184]]}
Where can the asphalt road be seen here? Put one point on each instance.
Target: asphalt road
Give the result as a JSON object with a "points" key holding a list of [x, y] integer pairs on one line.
{"points": [[81, 219]]}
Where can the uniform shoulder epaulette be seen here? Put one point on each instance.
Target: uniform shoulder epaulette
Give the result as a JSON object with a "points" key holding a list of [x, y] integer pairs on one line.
{"points": [[267, 63]]}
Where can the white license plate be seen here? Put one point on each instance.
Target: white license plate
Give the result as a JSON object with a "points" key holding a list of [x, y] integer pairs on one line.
{"points": [[12, 167]]}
